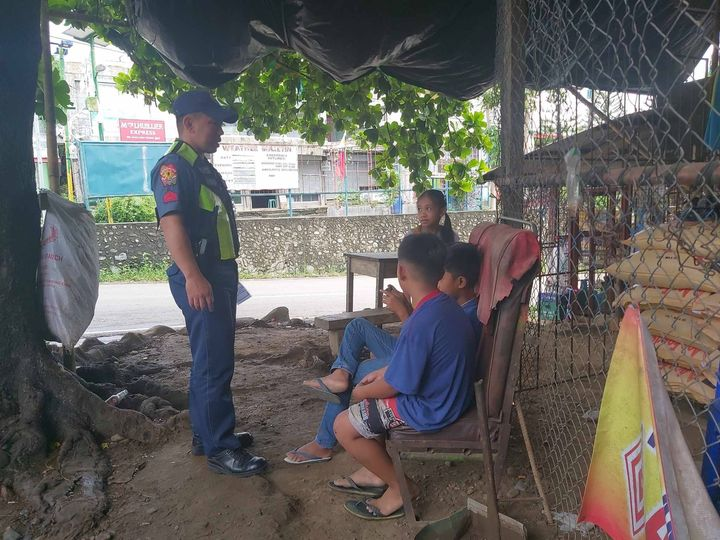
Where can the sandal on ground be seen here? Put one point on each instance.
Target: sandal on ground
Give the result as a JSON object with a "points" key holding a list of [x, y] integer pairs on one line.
{"points": [[307, 458], [323, 392], [356, 489], [370, 512]]}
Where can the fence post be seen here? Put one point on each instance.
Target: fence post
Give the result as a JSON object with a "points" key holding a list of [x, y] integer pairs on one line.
{"points": [[289, 196], [108, 208], [345, 188]]}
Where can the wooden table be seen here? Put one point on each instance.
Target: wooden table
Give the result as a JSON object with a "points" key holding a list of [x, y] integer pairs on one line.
{"points": [[377, 265]]}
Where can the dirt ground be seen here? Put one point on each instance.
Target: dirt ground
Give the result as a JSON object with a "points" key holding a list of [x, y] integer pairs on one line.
{"points": [[164, 492]]}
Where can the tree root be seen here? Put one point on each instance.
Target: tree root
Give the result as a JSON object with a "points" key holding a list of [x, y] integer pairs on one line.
{"points": [[41, 404], [93, 414], [148, 387], [70, 496], [50, 428]]}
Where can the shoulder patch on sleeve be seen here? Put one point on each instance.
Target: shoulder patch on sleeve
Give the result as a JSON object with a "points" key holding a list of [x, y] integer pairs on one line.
{"points": [[170, 197], [168, 174]]}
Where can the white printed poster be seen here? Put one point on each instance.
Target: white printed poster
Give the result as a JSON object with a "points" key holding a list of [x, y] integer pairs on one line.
{"points": [[257, 166]]}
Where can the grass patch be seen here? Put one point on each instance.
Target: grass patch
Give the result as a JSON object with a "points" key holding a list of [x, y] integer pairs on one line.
{"points": [[156, 272], [144, 272], [323, 272]]}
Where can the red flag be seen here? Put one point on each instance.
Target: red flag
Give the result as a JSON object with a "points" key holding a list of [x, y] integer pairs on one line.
{"points": [[340, 164]]}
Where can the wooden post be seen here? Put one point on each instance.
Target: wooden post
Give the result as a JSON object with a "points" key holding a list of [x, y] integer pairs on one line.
{"points": [[49, 94], [494, 531], [349, 285], [533, 463], [510, 69]]}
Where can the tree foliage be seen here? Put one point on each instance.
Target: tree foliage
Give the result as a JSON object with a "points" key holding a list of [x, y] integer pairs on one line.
{"points": [[283, 92], [62, 95]]}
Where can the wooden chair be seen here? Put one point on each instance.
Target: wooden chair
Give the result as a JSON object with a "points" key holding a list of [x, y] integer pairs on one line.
{"points": [[497, 363]]}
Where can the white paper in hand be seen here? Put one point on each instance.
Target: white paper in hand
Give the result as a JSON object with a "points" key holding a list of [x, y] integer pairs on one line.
{"points": [[242, 294]]}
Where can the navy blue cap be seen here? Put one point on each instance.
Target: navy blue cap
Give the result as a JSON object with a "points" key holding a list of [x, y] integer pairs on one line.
{"points": [[201, 101]]}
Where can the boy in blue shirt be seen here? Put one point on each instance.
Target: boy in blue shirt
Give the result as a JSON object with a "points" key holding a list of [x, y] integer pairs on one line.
{"points": [[427, 385], [462, 269]]}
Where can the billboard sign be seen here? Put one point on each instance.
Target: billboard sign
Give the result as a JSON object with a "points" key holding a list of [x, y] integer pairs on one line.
{"points": [[142, 130], [115, 169], [257, 166]]}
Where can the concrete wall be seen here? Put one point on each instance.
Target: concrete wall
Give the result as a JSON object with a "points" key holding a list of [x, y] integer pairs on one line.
{"points": [[130, 244], [280, 245]]}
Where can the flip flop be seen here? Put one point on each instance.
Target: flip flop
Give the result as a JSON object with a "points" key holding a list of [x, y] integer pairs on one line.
{"points": [[365, 510], [356, 489], [323, 392], [309, 458]]}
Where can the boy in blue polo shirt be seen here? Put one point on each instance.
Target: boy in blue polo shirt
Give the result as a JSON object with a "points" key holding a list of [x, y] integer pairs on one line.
{"points": [[427, 385], [462, 269]]}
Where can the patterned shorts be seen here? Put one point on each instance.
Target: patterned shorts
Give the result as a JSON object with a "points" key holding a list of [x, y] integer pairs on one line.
{"points": [[372, 418]]}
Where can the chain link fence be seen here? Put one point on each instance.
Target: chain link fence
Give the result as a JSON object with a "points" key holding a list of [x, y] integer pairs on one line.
{"points": [[620, 93], [361, 202]]}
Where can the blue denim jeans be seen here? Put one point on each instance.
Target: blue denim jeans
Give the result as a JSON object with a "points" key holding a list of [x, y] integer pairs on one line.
{"points": [[358, 334], [212, 343]]}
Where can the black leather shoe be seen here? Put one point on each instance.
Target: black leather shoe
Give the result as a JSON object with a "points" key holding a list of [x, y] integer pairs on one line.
{"points": [[237, 463], [244, 438]]}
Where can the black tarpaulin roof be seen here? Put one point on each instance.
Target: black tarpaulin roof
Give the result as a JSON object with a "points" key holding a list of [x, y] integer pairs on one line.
{"points": [[442, 46]]}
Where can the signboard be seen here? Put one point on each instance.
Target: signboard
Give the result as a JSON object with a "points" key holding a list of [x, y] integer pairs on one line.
{"points": [[142, 130], [257, 166], [111, 169], [643, 482]]}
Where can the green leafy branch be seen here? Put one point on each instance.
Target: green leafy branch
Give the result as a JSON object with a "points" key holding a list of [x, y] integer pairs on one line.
{"points": [[283, 92], [62, 95]]}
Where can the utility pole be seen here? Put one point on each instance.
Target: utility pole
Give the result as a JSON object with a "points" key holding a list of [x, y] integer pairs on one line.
{"points": [[62, 50], [49, 94], [95, 82], [101, 132]]}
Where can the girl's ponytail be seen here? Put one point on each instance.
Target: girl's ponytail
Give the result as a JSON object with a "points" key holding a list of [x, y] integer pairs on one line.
{"points": [[447, 233]]}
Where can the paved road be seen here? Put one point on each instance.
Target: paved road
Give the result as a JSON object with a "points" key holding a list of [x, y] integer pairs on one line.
{"points": [[122, 307]]}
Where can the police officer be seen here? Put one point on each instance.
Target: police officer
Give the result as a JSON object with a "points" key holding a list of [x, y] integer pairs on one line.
{"points": [[197, 218]]}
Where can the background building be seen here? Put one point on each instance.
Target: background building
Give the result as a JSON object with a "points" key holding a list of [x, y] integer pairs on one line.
{"points": [[112, 139]]}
